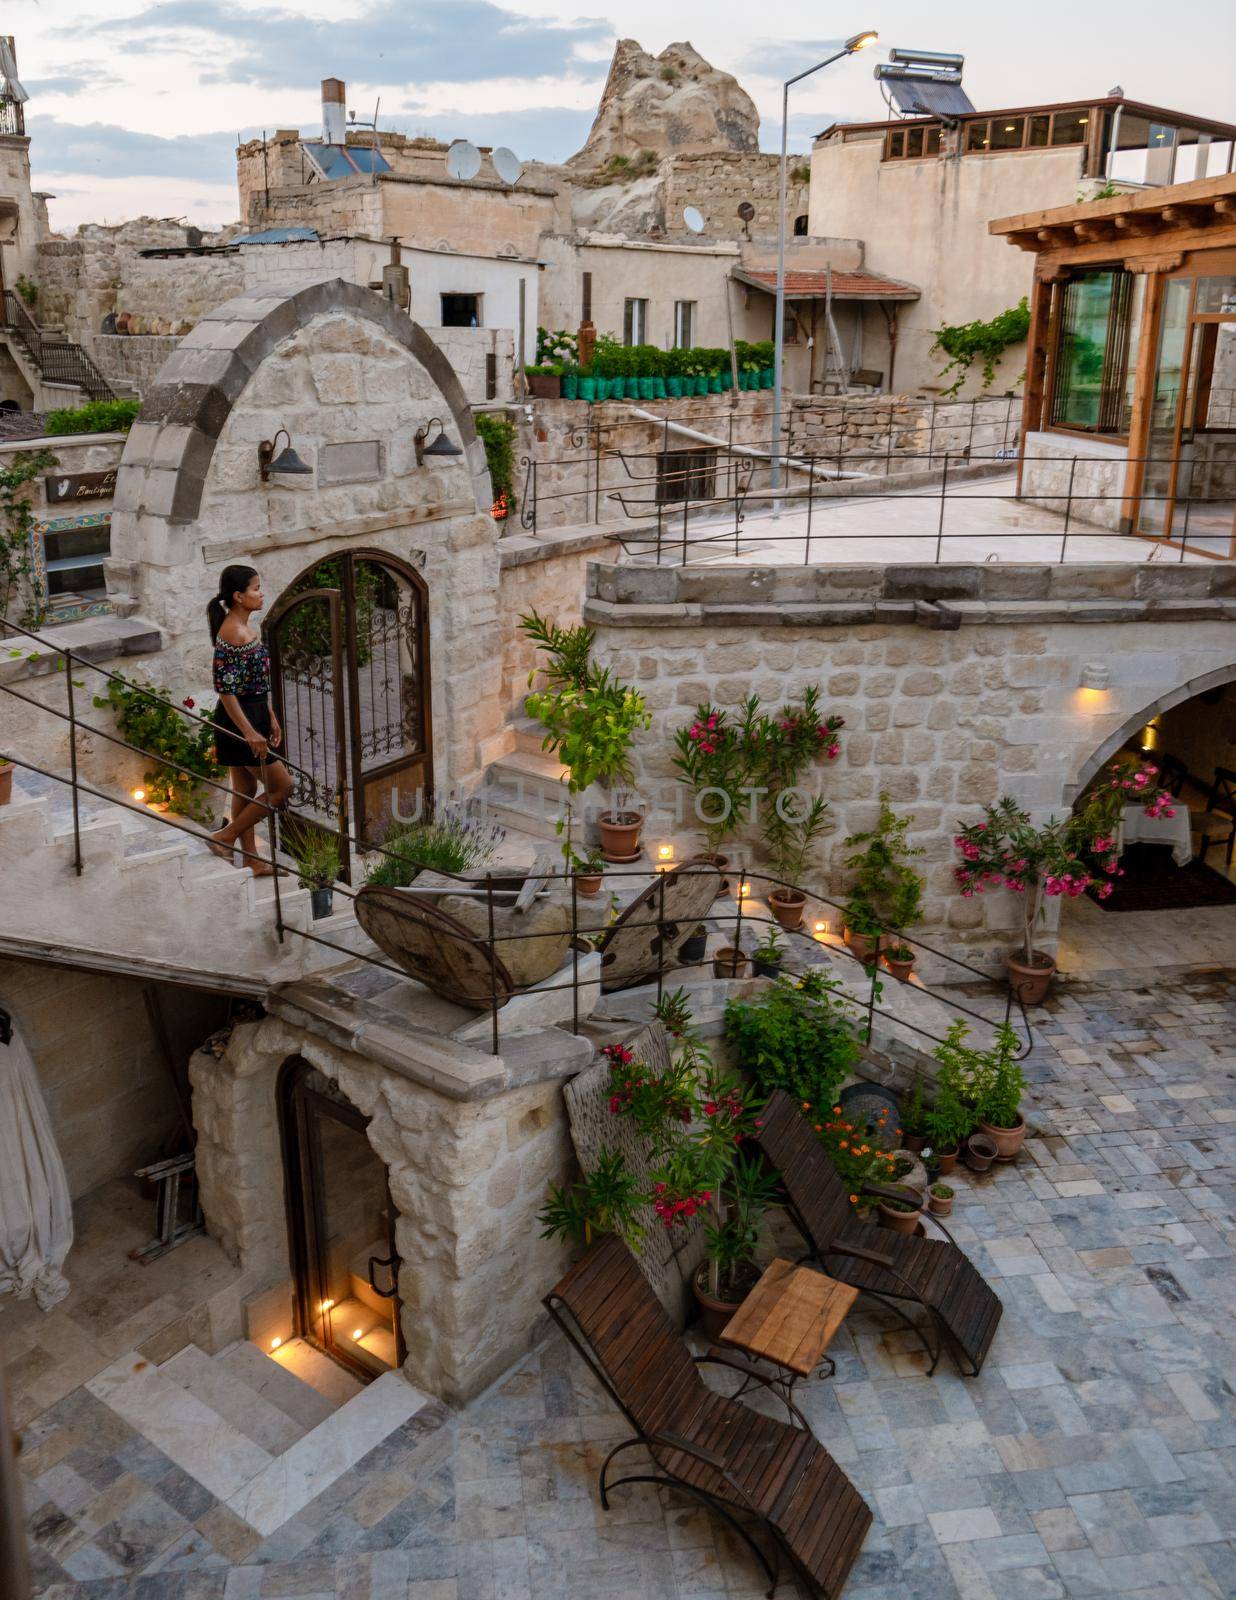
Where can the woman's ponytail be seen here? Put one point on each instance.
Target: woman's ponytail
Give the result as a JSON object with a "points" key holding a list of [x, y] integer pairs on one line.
{"points": [[232, 581]]}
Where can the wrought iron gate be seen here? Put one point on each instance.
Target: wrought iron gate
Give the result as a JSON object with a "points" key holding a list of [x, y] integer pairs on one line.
{"points": [[349, 645]]}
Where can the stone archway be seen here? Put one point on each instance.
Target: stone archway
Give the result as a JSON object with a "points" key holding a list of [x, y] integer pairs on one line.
{"points": [[1165, 702]]}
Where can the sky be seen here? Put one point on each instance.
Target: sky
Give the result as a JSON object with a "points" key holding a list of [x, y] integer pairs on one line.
{"points": [[136, 106]]}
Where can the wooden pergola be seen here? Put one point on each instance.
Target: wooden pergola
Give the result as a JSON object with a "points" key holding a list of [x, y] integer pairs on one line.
{"points": [[1187, 230]]}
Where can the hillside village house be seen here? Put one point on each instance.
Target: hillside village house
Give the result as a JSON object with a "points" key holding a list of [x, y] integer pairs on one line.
{"points": [[274, 1253]]}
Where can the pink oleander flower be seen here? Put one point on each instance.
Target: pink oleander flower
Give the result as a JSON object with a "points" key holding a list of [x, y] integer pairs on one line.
{"points": [[1104, 890]]}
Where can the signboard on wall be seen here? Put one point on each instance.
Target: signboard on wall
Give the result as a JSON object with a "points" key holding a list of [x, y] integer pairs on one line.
{"points": [[61, 488]]}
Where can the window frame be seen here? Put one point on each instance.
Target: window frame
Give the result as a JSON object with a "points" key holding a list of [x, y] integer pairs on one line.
{"points": [[630, 316], [684, 317], [1118, 359], [478, 300]]}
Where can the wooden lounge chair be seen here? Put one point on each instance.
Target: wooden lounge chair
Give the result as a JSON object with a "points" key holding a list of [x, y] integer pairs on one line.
{"points": [[962, 1306], [741, 1464]]}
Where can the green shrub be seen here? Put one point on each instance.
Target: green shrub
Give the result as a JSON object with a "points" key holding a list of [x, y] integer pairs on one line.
{"points": [[448, 840], [497, 434], [146, 717], [99, 416], [797, 1037]]}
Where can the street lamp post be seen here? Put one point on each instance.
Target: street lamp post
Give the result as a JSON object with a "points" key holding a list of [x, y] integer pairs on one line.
{"points": [[860, 41]]}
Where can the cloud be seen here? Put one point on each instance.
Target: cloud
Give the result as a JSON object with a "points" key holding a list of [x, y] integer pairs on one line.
{"points": [[388, 42], [783, 58], [75, 77], [112, 151], [536, 133]]}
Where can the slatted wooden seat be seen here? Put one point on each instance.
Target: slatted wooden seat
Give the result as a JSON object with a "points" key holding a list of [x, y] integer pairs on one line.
{"points": [[739, 1463], [963, 1308]]}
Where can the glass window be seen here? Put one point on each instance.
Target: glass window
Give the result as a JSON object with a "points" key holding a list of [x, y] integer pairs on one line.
{"points": [[933, 139], [977, 136], [1007, 133], [1040, 131], [1216, 294], [896, 144], [1069, 127], [461, 311], [914, 141], [635, 322], [1093, 351], [684, 324]]}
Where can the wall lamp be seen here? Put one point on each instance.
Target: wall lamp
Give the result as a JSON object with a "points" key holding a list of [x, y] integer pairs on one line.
{"points": [[286, 463], [1095, 675], [441, 445]]}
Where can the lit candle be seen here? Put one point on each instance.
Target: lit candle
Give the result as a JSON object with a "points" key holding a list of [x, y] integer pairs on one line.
{"points": [[744, 889], [275, 1343], [138, 794], [821, 929], [665, 852]]}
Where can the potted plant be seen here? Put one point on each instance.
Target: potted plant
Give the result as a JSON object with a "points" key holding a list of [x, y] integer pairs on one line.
{"points": [[767, 956], [544, 381], [695, 946], [589, 873], [714, 758], [900, 1212], [6, 781], [1007, 850], [590, 719], [899, 959], [727, 962], [792, 842], [316, 855], [951, 1119], [800, 1036], [940, 1200], [887, 893], [999, 1087], [981, 1151], [914, 1118]]}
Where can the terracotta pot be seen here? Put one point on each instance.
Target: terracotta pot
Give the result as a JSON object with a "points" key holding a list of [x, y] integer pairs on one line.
{"points": [[544, 385], [714, 1313], [788, 905], [589, 883], [729, 963], [1030, 983], [980, 1152], [863, 945], [6, 782], [914, 1142], [939, 1207], [900, 970], [1008, 1141], [620, 831], [898, 1221], [946, 1160]]}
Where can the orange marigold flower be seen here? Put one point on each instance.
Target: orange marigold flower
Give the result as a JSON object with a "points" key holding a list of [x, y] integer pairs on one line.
{"points": [[806, 1105], [818, 1128], [844, 1145], [853, 1199], [836, 1111]]}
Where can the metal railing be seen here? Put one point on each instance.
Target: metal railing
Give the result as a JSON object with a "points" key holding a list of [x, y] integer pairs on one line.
{"points": [[584, 930], [58, 360], [844, 441]]}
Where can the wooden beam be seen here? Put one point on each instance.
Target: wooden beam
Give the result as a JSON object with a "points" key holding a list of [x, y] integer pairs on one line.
{"points": [[1092, 231], [1036, 367], [1225, 208], [1143, 397], [1135, 227], [1053, 237], [1185, 216]]}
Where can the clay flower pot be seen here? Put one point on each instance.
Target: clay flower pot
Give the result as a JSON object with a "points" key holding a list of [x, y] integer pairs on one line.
{"points": [[6, 782], [1008, 1141], [940, 1205], [897, 1220], [946, 1160], [788, 905], [863, 945], [716, 1313], [913, 1142], [589, 883], [900, 970], [980, 1152], [729, 963], [620, 831], [1030, 983]]}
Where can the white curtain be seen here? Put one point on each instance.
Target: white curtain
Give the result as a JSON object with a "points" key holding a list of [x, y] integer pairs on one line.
{"points": [[36, 1216]]}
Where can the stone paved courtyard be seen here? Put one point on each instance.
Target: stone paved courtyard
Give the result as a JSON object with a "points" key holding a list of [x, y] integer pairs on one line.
{"points": [[1096, 1454]]}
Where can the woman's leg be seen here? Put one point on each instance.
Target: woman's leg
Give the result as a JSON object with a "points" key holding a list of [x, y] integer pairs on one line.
{"points": [[278, 789], [244, 787]]}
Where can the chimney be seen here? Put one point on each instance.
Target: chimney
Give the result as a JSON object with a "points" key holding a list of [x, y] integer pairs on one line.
{"points": [[334, 114]]}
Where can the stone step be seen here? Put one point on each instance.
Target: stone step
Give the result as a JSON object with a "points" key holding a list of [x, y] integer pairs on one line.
{"points": [[529, 767], [273, 1382], [528, 735], [316, 1371], [362, 1329], [218, 1386], [512, 810]]}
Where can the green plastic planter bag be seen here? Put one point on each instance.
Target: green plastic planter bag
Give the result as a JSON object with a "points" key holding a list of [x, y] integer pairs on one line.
{"points": [[570, 385], [629, 388], [647, 391], [727, 381], [673, 388], [659, 391], [714, 383], [587, 388], [766, 378]]}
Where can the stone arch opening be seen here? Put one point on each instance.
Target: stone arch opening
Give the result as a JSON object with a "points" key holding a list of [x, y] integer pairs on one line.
{"points": [[1164, 702], [341, 1224]]}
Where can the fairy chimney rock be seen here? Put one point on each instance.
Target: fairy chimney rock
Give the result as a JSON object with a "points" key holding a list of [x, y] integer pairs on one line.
{"points": [[671, 104]]}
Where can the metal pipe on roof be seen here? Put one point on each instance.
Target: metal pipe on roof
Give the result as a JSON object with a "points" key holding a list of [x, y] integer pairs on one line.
{"points": [[749, 450]]}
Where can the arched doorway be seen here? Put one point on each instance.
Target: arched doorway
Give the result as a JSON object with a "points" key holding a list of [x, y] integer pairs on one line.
{"points": [[349, 646], [341, 1225]]}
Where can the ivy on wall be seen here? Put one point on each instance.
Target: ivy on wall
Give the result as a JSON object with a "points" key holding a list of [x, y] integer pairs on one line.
{"points": [[965, 343], [497, 434]]}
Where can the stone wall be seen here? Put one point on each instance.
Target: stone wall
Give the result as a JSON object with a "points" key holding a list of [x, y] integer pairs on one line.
{"points": [[545, 575], [467, 1178], [899, 433], [129, 362], [718, 181], [84, 278], [1083, 478], [100, 1063], [958, 684]]}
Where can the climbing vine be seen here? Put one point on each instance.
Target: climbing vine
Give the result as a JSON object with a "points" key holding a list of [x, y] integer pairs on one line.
{"points": [[17, 570], [965, 343], [497, 434]]}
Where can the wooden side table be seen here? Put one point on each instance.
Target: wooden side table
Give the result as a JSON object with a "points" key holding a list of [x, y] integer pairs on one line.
{"points": [[789, 1319]]}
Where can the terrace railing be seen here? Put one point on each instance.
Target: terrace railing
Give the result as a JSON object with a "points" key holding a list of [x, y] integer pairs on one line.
{"points": [[585, 928], [57, 360]]}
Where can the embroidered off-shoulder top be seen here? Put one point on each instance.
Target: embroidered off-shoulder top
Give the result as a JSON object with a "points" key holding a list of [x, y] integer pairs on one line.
{"points": [[242, 669]]}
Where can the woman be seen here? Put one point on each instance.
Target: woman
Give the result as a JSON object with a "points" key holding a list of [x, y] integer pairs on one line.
{"points": [[246, 727]]}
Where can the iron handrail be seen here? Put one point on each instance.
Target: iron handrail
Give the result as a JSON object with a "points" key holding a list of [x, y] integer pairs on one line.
{"points": [[59, 360]]}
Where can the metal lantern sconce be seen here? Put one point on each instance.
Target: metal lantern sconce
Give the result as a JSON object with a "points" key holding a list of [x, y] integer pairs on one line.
{"points": [[287, 463], [441, 446]]}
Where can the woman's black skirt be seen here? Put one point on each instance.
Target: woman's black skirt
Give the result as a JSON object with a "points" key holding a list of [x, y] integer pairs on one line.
{"points": [[231, 747]]}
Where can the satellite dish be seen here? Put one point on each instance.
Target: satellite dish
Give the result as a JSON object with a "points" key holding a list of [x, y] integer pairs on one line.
{"points": [[746, 210], [463, 160], [694, 218], [507, 165]]}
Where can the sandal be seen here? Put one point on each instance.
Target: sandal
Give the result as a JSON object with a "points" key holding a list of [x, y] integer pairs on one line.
{"points": [[225, 852]]}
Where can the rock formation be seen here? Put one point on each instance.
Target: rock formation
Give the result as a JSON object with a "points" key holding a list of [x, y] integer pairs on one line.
{"points": [[671, 104]]}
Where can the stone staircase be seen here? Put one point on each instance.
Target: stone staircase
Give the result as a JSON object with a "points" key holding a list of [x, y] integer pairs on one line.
{"points": [[149, 901], [265, 1434], [525, 791]]}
